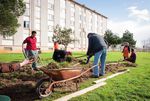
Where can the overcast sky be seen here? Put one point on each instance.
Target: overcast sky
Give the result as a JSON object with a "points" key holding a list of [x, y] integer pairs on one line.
{"points": [[133, 15]]}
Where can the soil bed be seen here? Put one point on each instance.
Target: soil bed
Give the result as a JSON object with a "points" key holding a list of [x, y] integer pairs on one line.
{"points": [[20, 85]]}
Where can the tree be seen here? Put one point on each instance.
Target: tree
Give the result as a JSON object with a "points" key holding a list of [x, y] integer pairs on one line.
{"points": [[128, 37], [111, 38], [62, 36], [10, 10]]}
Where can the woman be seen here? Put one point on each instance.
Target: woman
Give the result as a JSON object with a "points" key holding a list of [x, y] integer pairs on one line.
{"points": [[126, 51]]}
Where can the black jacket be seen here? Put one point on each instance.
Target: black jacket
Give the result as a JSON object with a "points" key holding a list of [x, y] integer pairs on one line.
{"points": [[95, 43]]}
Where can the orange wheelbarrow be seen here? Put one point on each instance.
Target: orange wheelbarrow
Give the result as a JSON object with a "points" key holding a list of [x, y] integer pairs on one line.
{"points": [[45, 85]]}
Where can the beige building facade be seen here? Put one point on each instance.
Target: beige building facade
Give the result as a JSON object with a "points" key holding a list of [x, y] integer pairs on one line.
{"points": [[43, 15]]}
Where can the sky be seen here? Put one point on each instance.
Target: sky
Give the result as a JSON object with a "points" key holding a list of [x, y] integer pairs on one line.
{"points": [[132, 15]]}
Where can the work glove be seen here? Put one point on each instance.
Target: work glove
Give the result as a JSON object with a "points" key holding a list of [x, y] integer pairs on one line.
{"points": [[88, 59]]}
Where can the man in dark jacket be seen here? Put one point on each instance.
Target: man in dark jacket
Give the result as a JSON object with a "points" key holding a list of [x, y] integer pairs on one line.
{"points": [[97, 47]]}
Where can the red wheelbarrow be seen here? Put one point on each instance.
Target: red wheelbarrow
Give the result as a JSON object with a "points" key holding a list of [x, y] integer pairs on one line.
{"points": [[45, 85]]}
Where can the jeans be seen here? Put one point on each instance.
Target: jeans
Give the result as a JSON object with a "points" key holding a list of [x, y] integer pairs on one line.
{"points": [[32, 53], [101, 55]]}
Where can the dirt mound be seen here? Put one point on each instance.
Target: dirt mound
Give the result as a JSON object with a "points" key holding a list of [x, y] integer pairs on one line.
{"points": [[21, 84]]}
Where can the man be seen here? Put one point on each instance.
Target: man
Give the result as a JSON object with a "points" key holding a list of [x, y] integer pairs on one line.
{"points": [[97, 47], [31, 49]]}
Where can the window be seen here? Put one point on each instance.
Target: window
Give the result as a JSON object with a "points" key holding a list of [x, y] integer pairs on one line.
{"points": [[8, 48], [27, 1], [72, 5], [50, 34], [37, 13], [51, 1], [50, 39], [26, 24], [62, 22], [38, 2], [50, 23], [50, 6], [80, 25], [7, 37], [50, 17], [62, 3], [27, 9], [26, 12], [38, 39], [72, 23], [37, 26], [26, 18], [50, 28], [81, 17], [62, 13]]}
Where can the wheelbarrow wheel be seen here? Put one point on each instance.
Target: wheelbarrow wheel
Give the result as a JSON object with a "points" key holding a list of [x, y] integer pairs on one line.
{"points": [[41, 87]]}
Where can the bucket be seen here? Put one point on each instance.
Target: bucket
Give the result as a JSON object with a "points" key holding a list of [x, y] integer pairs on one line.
{"points": [[4, 98]]}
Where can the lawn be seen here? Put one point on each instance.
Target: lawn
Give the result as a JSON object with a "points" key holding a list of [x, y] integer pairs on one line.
{"points": [[132, 86]]}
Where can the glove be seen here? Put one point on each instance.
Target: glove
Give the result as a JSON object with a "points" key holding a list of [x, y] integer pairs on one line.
{"points": [[88, 59]]}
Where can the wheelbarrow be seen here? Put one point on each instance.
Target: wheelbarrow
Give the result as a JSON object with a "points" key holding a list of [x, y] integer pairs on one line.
{"points": [[45, 86]]}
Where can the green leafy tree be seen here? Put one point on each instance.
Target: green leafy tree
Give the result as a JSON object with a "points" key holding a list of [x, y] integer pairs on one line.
{"points": [[116, 40], [111, 38], [10, 10], [62, 36], [128, 37]]}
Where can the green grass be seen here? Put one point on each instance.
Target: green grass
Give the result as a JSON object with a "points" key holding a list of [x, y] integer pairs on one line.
{"points": [[19, 57], [9, 57], [132, 86]]}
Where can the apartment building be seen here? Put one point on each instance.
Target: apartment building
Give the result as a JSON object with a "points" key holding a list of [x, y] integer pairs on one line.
{"points": [[43, 15]]}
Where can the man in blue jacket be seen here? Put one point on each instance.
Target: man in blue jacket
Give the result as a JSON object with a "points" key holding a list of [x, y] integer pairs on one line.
{"points": [[97, 47]]}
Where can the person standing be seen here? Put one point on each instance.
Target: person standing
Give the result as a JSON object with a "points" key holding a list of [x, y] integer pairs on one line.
{"points": [[97, 47], [126, 51], [31, 49]]}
